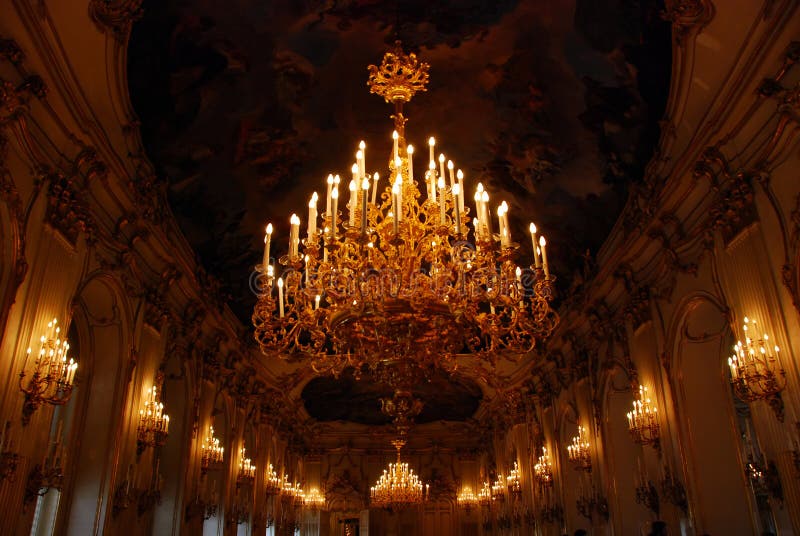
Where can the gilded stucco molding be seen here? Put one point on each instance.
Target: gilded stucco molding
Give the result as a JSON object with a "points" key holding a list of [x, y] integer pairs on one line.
{"points": [[115, 16], [790, 274], [687, 16]]}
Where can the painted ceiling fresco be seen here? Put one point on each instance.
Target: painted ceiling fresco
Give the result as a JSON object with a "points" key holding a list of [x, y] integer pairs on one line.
{"points": [[247, 105]]}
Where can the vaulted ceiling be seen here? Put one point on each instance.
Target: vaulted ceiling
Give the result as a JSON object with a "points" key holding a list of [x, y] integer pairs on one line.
{"points": [[246, 106]]}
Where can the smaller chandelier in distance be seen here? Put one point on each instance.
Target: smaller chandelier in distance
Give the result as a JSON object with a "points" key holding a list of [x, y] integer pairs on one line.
{"points": [[578, 452], [314, 499], [543, 470], [513, 482], [643, 420], [466, 499], [53, 373], [211, 453], [153, 427], [398, 487], [756, 373], [247, 471]]}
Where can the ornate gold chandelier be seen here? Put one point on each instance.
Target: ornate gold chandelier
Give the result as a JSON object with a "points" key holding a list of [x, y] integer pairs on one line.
{"points": [[398, 487], [756, 373], [396, 284]]}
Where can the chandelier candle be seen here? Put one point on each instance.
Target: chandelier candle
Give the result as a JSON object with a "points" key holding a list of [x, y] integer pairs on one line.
{"points": [[431, 176], [312, 216], [410, 153], [375, 178], [328, 198], [267, 241], [543, 245], [460, 177]]}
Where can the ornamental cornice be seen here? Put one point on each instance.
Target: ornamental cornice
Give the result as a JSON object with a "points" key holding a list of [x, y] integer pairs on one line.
{"points": [[115, 16]]}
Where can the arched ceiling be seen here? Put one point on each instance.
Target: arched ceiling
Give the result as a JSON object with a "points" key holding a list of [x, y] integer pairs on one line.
{"points": [[246, 106]]}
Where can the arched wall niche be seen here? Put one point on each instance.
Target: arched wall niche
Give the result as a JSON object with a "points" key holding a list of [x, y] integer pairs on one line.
{"points": [[174, 456], [571, 479], [13, 265], [103, 321], [699, 336], [621, 453]]}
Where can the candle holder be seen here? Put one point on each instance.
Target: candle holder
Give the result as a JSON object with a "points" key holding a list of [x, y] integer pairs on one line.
{"points": [[200, 507], [45, 476], [673, 491], [764, 478], [593, 504], [647, 496], [529, 516], [9, 460], [123, 498], [150, 497]]}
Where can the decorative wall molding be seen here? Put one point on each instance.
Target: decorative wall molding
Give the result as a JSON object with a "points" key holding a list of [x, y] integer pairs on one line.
{"points": [[687, 16], [115, 16]]}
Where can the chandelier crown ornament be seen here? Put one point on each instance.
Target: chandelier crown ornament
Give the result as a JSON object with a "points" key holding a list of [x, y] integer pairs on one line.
{"points": [[399, 76], [396, 284], [756, 372], [53, 374], [153, 427], [643, 420], [398, 487], [578, 451]]}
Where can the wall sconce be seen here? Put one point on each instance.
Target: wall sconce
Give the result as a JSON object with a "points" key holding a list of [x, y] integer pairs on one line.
{"points": [[498, 489], [49, 474], [513, 483], [53, 374], [153, 427], [9, 460], [643, 420], [273, 481], [756, 373], [247, 471], [578, 452], [646, 492], [543, 470], [485, 495], [211, 452], [466, 499], [592, 503]]}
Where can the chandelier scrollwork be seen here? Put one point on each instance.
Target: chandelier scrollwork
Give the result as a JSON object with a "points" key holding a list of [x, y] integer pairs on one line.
{"points": [[399, 285]]}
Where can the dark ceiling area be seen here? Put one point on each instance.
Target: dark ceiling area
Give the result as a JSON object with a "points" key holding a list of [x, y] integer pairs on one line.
{"points": [[445, 398], [246, 106]]}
